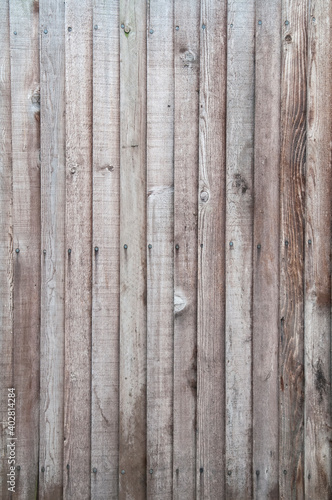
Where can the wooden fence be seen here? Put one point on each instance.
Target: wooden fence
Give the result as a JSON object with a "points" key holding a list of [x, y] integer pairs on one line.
{"points": [[165, 248]]}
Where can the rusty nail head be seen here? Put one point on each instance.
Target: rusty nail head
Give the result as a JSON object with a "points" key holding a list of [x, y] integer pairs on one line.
{"points": [[177, 247], [96, 249], [286, 23], [177, 28], [18, 467], [259, 22], [70, 28], [96, 26], [257, 472], [125, 247], [151, 471], [286, 243], [203, 26], [17, 250], [43, 469], [285, 472], [122, 26], [45, 31], [230, 243], [150, 246], [44, 252], [309, 242], [151, 31], [259, 246], [313, 19], [69, 250], [15, 32], [94, 470], [229, 472], [123, 471], [68, 466], [201, 470]]}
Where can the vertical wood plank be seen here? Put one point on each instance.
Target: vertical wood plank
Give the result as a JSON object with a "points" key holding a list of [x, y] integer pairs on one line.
{"points": [[293, 158], [266, 251], [160, 292], [6, 245], [132, 446], [106, 263], [186, 64], [78, 66], [210, 471], [318, 436], [25, 97], [239, 234], [52, 83]]}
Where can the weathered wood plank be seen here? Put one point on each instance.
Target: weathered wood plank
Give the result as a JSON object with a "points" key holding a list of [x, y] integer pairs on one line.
{"points": [[292, 161], [106, 258], [239, 234], [160, 291], [210, 470], [25, 98], [132, 446], [186, 64], [6, 245], [318, 436], [266, 251], [78, 67], [52, 83]]}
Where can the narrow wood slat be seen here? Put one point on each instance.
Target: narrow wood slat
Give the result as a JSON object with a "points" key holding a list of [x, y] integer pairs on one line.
{"points": [[266, 251], [52, 83], [106, 259], [318, 427], [239, 234], [132, 446], [77, 392], [293, 158], [6, 246], [160, 296], [186, 64], [210, 471], [25, 97]]}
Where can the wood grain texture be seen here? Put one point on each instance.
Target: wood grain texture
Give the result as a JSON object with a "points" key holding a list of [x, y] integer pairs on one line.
{"points": [[210, 467], [25, 97], [106, 260], [52, 86], [77, 423], [160, 292], [239, 234], [318, 437], [6, 245], [132, 446], [292, 185], [266, 251], [186, 64]]}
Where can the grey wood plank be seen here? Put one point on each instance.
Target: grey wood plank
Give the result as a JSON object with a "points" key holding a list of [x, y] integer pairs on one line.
{"points": [[210, 470], [77, 393], [106, 258], [132, 445], [160, 257]]}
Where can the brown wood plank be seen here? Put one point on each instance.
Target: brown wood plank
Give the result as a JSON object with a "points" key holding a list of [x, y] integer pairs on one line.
{"points": [[266, 251], [25, 97], [317, 244], [6, 247], [52, 83], [78, 67], [186, 64], [132, 446], [293, 158], [160, 292], [210, 470], [239, 235], [106, 258]]}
